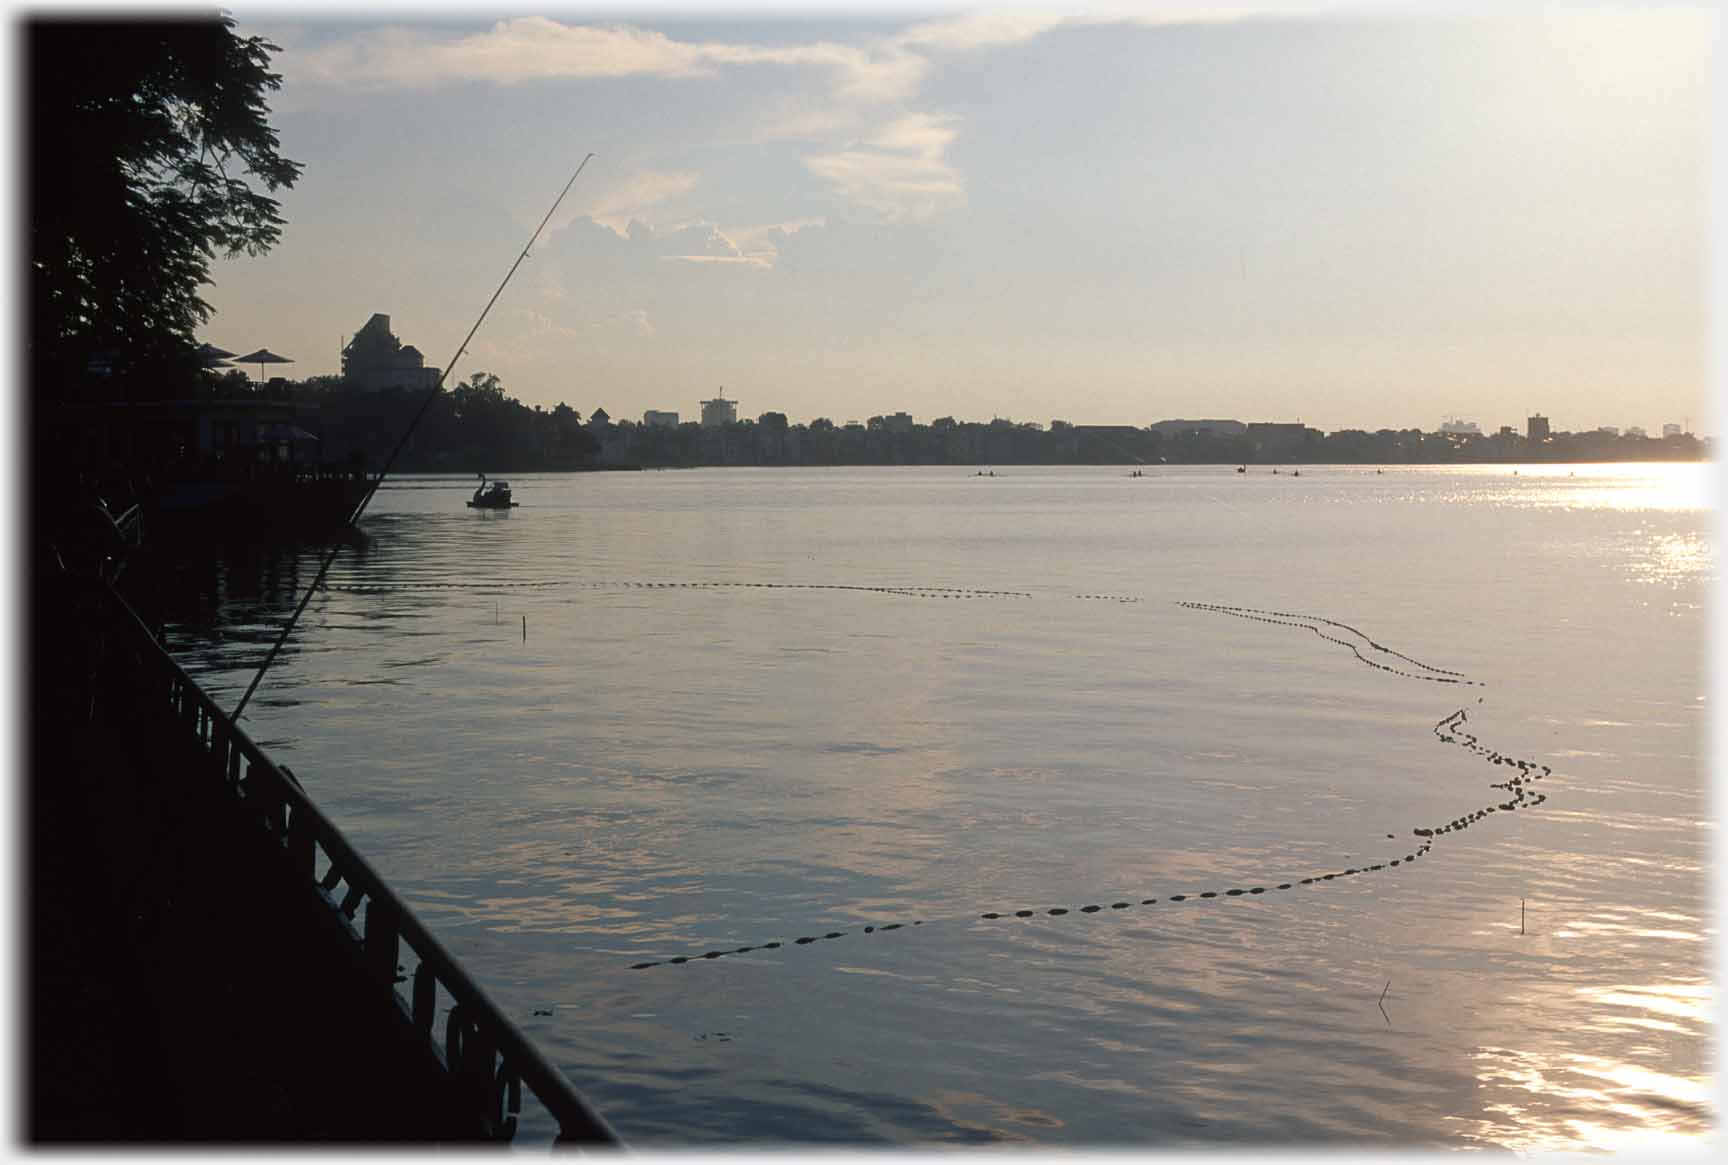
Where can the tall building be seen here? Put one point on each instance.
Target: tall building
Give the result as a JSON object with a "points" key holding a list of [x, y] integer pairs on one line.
{"points": [[1536, 428], [375, 359], [719, 411]]}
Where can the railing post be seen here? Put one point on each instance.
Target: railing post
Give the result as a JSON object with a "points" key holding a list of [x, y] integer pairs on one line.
{"points": [[302, 843], [383, 941], [425, 997]]}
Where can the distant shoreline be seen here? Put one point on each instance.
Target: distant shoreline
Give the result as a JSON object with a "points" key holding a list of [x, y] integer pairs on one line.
{"points": [[970, 469]]}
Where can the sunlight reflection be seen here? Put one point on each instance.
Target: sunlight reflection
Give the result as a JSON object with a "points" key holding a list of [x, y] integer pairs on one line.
{"points": [[1563, 1100], [1672, 487]]}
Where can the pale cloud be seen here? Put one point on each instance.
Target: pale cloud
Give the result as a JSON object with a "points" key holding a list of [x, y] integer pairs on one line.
{"points": [[761, 261], [511, 50], [996, 28], [901, 172], [802, 122], [763, 240], [538, 324], [976, 30], [628, 199], [635, 322], [534, 48]]}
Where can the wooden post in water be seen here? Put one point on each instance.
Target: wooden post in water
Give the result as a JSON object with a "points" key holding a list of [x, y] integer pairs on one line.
{"points": [[524, 629]]}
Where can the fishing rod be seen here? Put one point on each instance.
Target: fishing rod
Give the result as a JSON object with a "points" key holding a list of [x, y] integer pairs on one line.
{"points": [[431, 395]]}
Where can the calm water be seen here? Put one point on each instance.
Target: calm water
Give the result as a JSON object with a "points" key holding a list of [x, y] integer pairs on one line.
{"points": [[650, 716]]}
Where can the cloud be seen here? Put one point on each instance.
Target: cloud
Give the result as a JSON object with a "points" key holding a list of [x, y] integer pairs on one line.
{"points": [[976, 30], [532, 48], [635, 322], [538, 324], [512, 50], [627, 199], [901, 172]]}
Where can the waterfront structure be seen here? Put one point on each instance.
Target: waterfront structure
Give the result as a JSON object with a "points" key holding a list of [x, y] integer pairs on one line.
{"points": [[898, 422], [375, 360], [1277, 439], [161, 768], [719, 411], [1536, 428], [1217, 428], [655, 418]]}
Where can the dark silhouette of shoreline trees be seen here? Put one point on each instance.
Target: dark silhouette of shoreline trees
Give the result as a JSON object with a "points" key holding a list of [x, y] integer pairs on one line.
{"points": [[475, 426], [148, 142], [478, 426]]}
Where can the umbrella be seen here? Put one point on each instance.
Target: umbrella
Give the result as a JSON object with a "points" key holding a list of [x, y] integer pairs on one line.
{"points": [[213, 357], [262, 357]]}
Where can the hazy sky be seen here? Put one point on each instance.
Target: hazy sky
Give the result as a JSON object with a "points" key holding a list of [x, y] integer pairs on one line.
{"points": [[1374, 219]]}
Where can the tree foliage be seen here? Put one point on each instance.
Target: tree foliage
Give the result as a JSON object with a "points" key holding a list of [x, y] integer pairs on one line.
{"points": [[148, 142]]}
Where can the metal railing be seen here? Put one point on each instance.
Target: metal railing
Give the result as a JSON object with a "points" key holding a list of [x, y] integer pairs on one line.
{"points": [[487, 1057]]}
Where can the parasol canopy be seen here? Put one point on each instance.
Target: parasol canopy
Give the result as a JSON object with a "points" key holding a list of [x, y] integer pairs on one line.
{"points": [[213, 357], [262, 357]]}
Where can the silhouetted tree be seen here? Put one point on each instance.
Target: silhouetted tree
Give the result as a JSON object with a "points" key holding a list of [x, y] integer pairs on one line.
{"points": [[143, 136]]}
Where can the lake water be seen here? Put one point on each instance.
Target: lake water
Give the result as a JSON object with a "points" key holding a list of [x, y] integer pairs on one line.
{"points": [[649, 716]]}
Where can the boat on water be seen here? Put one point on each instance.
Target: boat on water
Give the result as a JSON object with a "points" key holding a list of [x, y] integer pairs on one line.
{"points": [[493, 496]]}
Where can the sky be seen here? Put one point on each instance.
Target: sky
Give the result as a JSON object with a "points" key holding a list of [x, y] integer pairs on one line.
{"points": [[1355, 218]]}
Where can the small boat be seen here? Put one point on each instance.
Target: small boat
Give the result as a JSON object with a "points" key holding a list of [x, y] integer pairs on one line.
{"points": [[495, 496], [1241, 469]]}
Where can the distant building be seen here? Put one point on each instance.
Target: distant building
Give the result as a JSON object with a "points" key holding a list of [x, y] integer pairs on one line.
{"points": [[654, 418], [375, 360], [898, 422], [1536, 428], [1461, 428], [598, 419], [1636, 431], [1671, 430], [719, 411], [1609, 430], [1276, 439], [1217, 428]]}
